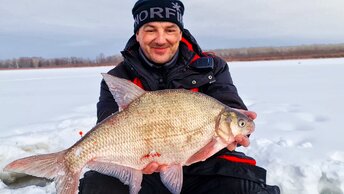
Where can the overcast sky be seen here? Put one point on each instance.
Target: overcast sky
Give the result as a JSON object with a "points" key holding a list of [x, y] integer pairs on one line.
{"points": [[86, 28]]}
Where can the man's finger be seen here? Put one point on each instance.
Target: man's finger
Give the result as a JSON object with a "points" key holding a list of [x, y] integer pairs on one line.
{"points": [[242, 140], [162, 168], [150, 168], [252, 115], [232, 146]]}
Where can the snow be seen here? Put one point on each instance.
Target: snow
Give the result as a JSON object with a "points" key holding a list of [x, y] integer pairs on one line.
{"points": [[297, 137]]}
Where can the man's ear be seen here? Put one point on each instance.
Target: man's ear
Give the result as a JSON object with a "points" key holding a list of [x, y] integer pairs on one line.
{"points": [[136, 34], [181, 35]]}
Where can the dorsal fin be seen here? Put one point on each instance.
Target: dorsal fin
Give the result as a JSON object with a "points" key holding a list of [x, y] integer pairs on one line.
{"points": [[123, 91]]}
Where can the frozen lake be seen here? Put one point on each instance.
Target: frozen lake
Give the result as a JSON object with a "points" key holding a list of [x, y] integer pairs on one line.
{"points": [[297, 138]]}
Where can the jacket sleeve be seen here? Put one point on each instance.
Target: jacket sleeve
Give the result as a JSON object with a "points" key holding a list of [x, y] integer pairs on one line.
{"points": [[106, 104], [223, 88]]}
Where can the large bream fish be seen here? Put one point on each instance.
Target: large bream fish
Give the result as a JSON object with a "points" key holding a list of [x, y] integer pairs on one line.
{"points": [[173, 127]]}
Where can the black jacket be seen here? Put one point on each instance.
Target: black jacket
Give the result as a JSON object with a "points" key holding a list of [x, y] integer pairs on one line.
{"points": [[209, 74]]}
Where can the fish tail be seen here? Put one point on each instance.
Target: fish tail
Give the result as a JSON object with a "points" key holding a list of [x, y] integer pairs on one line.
{"points": [[49, 166]]}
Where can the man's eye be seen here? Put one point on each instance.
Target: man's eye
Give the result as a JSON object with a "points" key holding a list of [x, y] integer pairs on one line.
{"points": [[149, 30]]}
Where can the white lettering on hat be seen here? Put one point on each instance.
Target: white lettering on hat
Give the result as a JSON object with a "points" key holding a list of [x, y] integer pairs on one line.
{"points": [[179, 17], [170, 12], [143, 15], [176, 6], [156, 11], [160, 12]]}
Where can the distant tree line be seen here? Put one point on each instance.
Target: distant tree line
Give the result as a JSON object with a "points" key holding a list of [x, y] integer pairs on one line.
{"points": [[275, 53], [39, 62], [234, 54]]}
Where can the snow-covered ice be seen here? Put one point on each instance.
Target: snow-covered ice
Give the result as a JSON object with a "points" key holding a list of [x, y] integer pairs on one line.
{"points": [[298, 129]]}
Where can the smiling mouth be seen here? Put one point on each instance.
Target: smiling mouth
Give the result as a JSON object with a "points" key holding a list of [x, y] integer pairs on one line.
{"points": [[160, 50]]}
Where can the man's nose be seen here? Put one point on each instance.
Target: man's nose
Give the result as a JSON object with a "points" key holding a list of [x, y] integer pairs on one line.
{"points": [[160, 38]]}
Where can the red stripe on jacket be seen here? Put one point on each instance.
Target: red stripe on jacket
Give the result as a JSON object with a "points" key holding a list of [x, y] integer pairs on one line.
{"points": [[189, 45], [138, 82], [238, 160]]}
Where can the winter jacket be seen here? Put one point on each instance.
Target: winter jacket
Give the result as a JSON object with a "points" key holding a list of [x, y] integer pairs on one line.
{"points": [[196, 71]]}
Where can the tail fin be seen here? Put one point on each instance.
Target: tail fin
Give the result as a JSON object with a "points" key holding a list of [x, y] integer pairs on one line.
{"points": [[49, 166]]}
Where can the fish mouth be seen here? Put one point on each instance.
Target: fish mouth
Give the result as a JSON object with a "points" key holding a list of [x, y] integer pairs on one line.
{"points": [[251, 128]]}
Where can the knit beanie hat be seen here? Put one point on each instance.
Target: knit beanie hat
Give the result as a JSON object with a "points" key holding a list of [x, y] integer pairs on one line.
{"points": [[145, 11]]}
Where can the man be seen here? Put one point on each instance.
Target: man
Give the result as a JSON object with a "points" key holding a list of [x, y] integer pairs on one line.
{"points": [[161, 55]]}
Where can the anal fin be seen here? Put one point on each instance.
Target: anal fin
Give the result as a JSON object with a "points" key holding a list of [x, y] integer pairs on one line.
{"points": [[172, 178], [128, 176]]}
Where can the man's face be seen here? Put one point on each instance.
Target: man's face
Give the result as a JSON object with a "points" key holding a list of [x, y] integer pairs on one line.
{"points": [[159, 41]]}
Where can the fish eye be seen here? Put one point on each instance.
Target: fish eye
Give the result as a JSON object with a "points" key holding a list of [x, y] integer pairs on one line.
{"points": [[241, 123]]}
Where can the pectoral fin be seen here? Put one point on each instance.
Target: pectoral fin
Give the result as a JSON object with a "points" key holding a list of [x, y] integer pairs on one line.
{"points": [[128, 176], [172, 178], [210, 149]]}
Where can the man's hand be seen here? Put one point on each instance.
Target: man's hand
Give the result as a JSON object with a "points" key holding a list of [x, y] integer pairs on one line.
{"points": [[153, 167], [241, 139]]}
